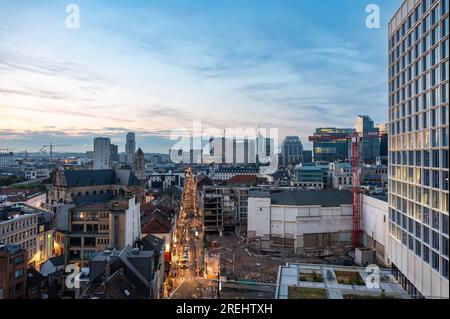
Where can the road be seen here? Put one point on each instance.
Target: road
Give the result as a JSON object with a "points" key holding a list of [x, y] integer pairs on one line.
{"points": [[189, 281], [189, 224]]}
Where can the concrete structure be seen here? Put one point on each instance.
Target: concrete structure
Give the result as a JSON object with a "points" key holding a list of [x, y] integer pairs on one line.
{"points": [[102, 153], [29, 227], [374, 226], [310, 281], [333, 149], [13, 272], [218, 210], [291, 151], [304, 222], [130, 147], [418, 242], [370, 142]]}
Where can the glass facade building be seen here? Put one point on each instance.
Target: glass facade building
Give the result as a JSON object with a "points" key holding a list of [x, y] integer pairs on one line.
{"points": [[335, 148], [418, 240]]}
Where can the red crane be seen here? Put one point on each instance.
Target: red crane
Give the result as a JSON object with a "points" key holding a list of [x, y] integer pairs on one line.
{"points": [[356, 172]]}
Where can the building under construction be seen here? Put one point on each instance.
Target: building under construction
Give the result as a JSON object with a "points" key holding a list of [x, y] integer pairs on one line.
{"points": [[308, 223]]}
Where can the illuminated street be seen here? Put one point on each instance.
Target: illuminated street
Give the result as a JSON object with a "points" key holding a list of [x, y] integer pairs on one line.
{"points": [[187, 261]]}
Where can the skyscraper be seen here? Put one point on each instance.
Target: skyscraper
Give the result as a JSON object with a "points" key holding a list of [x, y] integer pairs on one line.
{"points": [[291, 151], [114, 153], [130, 147], [334, 148], [370, 143], [102, 153], [418, 241]]}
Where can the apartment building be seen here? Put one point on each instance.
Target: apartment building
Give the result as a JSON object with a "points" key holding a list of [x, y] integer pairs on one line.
{"points": [[102, 153], [30, 228], [418, 241], [13, 272]]}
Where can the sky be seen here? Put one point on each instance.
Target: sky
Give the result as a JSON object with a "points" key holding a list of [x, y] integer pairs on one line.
{"points": [[154, 66]]}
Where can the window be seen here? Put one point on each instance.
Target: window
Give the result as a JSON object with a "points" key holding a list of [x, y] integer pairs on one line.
{"points": [[435, 240], [18, 273], [444, 268], [418, 248], [435, 261], [426, 254], [426, 235], [444, 246], [444, 224]]}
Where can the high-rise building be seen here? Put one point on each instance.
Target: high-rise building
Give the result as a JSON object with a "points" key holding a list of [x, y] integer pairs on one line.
{"points": [[383, 139], [418, 241], [102, 153], [291, 151], [130, 147], [307, 156], [114, 153], [370, 143], [334, 148]]}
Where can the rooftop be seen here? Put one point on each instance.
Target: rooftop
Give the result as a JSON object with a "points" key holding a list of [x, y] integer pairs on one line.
{"points": [[21, 210], [18, 194], [83, 178], [315, 281], [327, 198]]}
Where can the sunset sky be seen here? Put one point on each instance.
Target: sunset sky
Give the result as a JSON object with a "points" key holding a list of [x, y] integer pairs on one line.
{"points": [[152, 66]]}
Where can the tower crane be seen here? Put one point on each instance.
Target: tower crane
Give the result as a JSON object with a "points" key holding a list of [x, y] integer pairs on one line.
{"points": [[355, 138]]}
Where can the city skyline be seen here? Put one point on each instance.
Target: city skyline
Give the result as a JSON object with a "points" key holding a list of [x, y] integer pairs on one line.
{"points": [[217, 66]]}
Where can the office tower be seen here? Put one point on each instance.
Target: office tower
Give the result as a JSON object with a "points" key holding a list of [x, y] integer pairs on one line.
{"points": [[102, 153], [114, 153], [291, 151], [307, 156], [383, 139], [130, 147], [370, 143], [418, 147], [334, 148]]}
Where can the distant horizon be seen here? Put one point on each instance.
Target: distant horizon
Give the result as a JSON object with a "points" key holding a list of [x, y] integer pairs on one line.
{"points": [[152, 67]]}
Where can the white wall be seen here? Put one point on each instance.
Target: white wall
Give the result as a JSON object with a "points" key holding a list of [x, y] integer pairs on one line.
{"points": [[421, 275], [132, 222], [266, 219], [374, 221], [258, 216]]}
